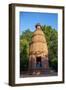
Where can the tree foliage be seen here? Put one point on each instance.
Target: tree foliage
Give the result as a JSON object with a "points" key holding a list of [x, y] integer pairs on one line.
{"points": [[52, 42]]}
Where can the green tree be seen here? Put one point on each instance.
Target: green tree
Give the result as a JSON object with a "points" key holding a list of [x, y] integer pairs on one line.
{"points": [[23, 54], [25, 39], [27, 34], [52, 42]]}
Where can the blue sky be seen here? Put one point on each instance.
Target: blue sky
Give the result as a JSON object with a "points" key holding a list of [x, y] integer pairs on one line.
{"points": [[28, 20]]}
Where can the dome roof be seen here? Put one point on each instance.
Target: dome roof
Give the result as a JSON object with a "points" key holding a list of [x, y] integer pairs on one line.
{"points": [[38, 44]]}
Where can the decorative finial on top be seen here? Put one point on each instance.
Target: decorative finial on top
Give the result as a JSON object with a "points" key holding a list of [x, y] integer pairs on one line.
{"points": [[38, 26]]}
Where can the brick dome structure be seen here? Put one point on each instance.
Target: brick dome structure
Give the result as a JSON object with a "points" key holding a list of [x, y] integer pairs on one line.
{"points": [[38, 52]]}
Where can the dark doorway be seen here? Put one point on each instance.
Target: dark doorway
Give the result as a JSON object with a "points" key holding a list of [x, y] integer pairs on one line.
{"points": [[38, 62]]}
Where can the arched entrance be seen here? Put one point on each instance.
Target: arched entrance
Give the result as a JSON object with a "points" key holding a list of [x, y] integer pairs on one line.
{"points": [[38, 62]]}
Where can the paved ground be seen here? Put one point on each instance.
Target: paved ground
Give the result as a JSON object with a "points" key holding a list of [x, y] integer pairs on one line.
{"points": [[45, 74]]}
